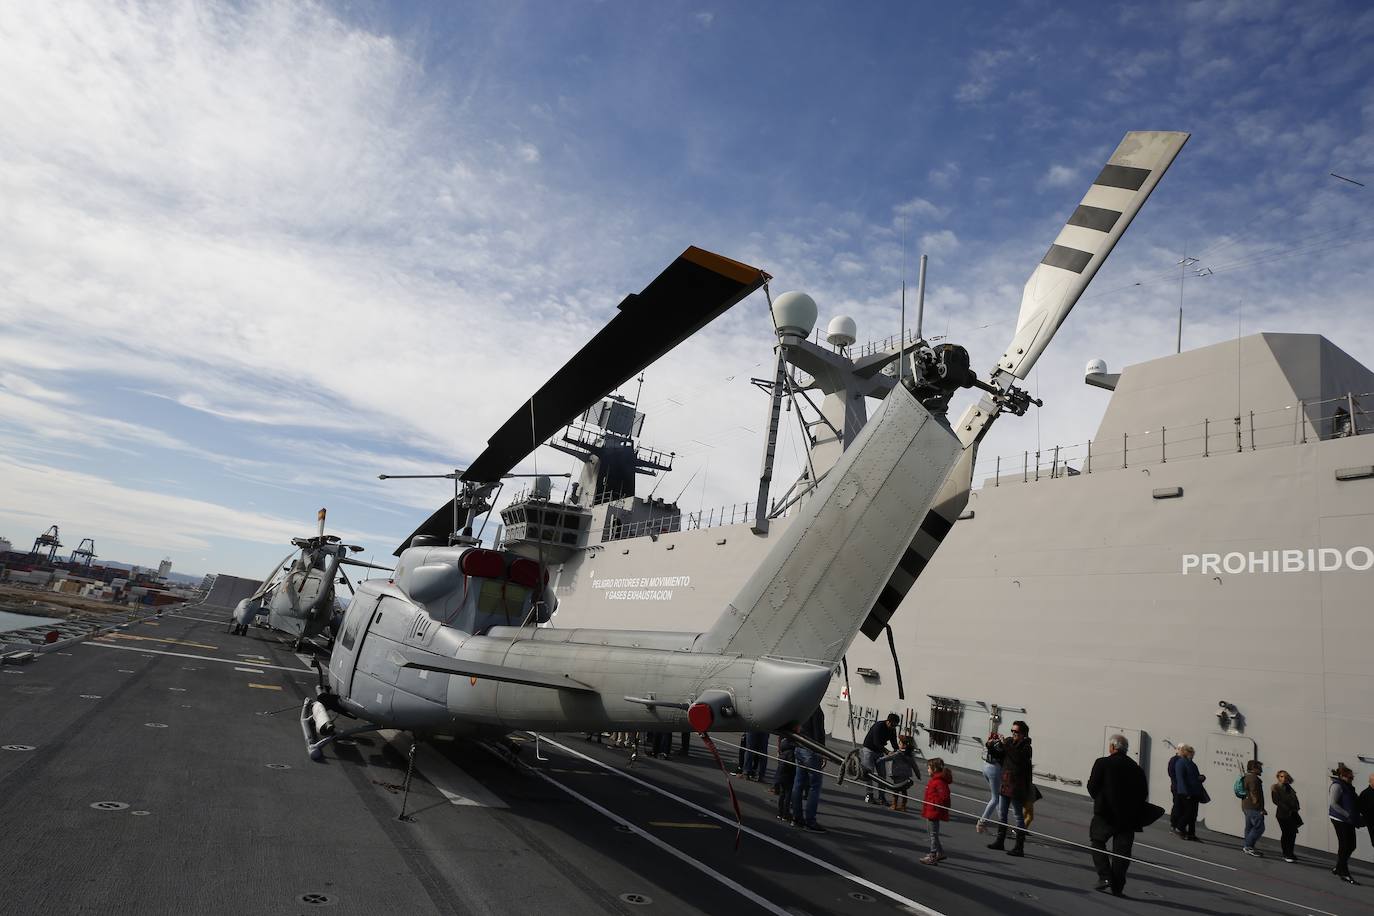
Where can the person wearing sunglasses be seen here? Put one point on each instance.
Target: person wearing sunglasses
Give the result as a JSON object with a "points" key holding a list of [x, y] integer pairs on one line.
{"points": [[1016, 787]]}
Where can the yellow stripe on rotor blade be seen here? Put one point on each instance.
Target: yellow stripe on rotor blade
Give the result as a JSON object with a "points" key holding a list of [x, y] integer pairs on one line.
{"points": [[727, 267], [264, 686]]}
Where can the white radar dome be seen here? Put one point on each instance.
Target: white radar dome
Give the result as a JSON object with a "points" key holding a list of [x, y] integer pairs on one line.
{"points": [[841, 331], [795, 314], [1095, 367]]}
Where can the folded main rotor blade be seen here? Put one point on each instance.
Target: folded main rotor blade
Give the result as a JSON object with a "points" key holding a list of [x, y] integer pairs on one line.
{"points": [[693, 290], [438, 525], [349, 561], [1085, 241]]}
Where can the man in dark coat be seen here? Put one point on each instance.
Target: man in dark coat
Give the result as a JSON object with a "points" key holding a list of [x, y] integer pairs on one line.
{"points": [[875, 745], [1365, 805], [1119, 792], [1175, 812]]}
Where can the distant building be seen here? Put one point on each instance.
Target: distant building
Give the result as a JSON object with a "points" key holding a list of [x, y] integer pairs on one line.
{"points": [[5, 545], [164, 567]]}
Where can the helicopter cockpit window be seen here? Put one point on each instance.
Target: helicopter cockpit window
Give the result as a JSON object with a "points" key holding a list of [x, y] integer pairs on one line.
{"points": [[354, 618]]}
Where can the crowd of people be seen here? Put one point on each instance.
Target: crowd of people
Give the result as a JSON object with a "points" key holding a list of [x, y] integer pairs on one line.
{"points": [[1117, 786]]}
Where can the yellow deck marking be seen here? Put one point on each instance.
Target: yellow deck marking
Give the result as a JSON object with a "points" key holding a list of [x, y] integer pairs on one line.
{"points": [[175, 642], [265, 686], [689, 825]]}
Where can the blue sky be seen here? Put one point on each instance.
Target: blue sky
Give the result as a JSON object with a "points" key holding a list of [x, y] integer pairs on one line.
{"points": [[253, 255]]}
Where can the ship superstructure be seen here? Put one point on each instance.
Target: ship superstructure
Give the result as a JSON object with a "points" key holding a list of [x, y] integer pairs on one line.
{"points": [[1198, 572]]}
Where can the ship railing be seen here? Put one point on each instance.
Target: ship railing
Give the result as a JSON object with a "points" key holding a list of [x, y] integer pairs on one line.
{"points": [[1254, 430], [887, 343], [733, 514]]}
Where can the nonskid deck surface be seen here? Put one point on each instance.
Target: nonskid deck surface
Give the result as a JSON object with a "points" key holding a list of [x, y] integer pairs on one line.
{"points": [[168, 775]]}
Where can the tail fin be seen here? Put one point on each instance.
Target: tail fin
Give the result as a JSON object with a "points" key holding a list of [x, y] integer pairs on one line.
{"points": [[817, 584]]}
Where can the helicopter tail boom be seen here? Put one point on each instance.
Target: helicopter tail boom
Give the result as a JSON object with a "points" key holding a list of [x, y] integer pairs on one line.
{"points": [[818, 583]]}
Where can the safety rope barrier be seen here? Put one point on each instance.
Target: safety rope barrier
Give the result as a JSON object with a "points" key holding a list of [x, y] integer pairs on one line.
{"points": [[1061, 840]]}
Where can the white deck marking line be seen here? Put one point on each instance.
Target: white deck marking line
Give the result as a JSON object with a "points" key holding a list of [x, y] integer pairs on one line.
{"points": [[249, 670], [203, 658], [671, 850], [304, 659], [201, 619], [450, 779], [1183, 855], [830, 867]]}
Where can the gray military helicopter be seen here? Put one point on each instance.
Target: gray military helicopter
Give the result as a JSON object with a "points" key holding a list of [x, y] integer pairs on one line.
{"points": [[297, 596], [452, 642]]}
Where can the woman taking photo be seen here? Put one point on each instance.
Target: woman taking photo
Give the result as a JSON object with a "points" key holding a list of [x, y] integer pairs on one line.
{"points": [[992, 772]]}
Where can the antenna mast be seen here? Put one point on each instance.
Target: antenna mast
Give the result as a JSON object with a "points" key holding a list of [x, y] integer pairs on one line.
{"points": [[921, 298], [901, 336]]}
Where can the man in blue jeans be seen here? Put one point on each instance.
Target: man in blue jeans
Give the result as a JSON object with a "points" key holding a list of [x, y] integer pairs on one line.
{"points": [[1253, 807], [807, 782]]}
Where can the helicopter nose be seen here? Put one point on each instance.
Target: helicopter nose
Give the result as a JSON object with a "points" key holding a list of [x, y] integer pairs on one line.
{"points": [[781, 692]]}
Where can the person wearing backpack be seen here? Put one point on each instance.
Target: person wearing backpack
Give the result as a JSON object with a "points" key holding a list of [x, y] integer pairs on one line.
{"points": [[1250, 790]]}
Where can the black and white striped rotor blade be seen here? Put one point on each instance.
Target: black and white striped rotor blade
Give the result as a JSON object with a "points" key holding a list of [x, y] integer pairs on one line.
{"points": [[1085, 241]]}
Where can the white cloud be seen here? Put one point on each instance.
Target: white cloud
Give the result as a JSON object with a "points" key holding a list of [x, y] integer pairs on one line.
{"points": [[705, 18], [943, 176], [28, 388], [1059, 176], [527, 152], [109, 511], [985, 67], [938, 244], [918, 208]]}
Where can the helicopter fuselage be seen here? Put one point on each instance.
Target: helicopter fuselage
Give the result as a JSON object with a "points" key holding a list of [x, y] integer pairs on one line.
{"points": [[395, 664]]}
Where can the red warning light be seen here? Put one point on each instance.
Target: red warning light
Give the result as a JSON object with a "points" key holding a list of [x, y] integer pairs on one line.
{"points": [[52, 636], [701, 716]]}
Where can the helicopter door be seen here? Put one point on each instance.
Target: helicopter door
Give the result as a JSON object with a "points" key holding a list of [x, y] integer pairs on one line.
{"points": [[345, 656]]}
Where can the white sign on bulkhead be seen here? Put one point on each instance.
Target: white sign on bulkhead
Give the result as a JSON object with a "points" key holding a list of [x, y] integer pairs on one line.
{"points": [[1290, 560], [641, 588]]}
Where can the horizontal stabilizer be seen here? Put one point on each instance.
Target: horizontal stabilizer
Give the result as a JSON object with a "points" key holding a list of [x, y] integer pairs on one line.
{"points": [[482, 670]]}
